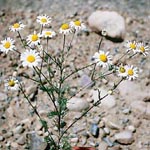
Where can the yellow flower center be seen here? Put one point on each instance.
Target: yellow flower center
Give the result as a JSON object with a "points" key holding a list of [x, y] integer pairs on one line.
{"points": [[142, 48], [43, 20], [130, 72], [103, 57], [122, 69], [65, 26], [132, 46], [77, 23], [31, 58], [48, 33], [11, 83], [16, 25], [35, 37], [7, 45]]}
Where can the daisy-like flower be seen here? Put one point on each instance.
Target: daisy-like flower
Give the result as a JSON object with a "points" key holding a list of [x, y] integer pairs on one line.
{"points": [[65, 29], [103, 59], [30, 58], [77, 25], [34, 39], [17, 27], [131, 46], [132, 72], [12, 84], [43, 20], [142, 48], [48, 34], [121, 70], [7, 45]]}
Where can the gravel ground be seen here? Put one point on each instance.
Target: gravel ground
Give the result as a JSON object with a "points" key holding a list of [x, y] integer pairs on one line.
{"points": [[132, 99]]}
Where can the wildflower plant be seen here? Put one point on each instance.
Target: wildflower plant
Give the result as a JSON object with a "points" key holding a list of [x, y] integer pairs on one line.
{"points": [[38, 57]]}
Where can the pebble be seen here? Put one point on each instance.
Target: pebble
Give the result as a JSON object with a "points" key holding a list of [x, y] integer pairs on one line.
{"points": [[124, 137], [113, 125], [8, 134], [1, 138], [108, 141], [126, 111], [94, 130], [131, 128], [18, 130], [106, 130], [3, 96], [86, 81], [77, 104], [21, 140], [111, 21]]}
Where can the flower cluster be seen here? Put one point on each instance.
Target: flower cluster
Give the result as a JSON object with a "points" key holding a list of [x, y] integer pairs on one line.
{"points": [[137, 47]]}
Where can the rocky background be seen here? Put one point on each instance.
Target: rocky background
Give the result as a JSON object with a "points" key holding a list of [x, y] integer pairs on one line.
{"points": [[122, 121]]}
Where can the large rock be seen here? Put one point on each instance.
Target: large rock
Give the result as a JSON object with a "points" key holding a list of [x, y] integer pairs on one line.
{"points": [[111, 21], [77, 104]]}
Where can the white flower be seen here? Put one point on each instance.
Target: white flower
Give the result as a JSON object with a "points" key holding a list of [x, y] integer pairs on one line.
{"points": [[142, 48], [121, 71], [131, 46], [30, 58], [17, 27], [132, 72], [48, 34], [7, 45], [43, 20], [65, 29], [77, 25], [12, 84], [102, 59], [33, 39]]}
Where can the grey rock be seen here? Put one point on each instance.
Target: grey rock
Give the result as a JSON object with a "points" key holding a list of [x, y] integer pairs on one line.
{"points": [[36, 142], [94, 130], [18, 130], [86, 81], [3, 96], [124, 137], [21, 140], [111, 21], [77, 104], [8, 134], [1, 138], [108, 141]]}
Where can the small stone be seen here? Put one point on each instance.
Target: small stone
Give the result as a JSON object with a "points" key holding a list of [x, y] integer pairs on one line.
{"points": [[126, 111], [131, 128], [94, 130], [108, 141], [1, 138], [86, 81], [113, 125], [106, 130], [3, 96], [18, 130], [14, 144], [21, 140], [8, 134], [124, 137], [77, 104]]}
